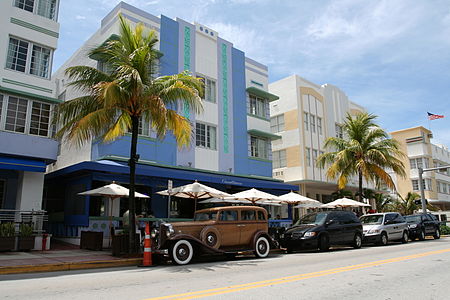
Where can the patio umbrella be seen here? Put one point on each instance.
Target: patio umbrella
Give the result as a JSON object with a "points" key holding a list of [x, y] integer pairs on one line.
{"points": [[344, 202], [112, 191], [221, 200], [253, 195], [294, 198], [194, 191]]}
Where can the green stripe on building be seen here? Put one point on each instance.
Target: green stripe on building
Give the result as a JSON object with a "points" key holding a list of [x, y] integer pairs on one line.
{"points": [[34, 27], [30, 86], [187, 63], [29, 95]]}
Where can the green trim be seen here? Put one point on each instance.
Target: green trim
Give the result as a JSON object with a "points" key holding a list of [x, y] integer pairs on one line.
{"points": [[107, 218], [260, 133], [224, 61], [257, 83], [29, 95], [259, 159], [187, 65], [148, 138], [146, 162], [261, 93], [34, 27], [258, 117], [30, 86]]}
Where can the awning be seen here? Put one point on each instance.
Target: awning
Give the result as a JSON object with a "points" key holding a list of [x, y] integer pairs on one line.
{"points": [[262, 93], [22, 164], [268, 135]]}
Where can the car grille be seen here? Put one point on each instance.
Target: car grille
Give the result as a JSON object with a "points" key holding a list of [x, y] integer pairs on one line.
{"points": [[297, 235]]}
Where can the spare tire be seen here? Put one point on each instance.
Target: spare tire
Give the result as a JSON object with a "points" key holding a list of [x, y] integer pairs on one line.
{"points": [[211, 237]]}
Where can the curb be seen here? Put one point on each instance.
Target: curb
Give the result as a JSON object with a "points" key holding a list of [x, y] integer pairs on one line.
{"points": [[70, 266]]}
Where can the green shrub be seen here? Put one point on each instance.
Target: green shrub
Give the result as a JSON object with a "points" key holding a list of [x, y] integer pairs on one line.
{"points": [[25, 230], [7, 230], [445, 229]]}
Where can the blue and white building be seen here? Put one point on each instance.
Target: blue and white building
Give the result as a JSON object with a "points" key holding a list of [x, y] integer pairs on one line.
{"points": [[28, 40], [232, 145]]}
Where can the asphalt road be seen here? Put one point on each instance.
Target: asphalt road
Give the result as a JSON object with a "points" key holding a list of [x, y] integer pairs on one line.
{"points": [[417, 270]]}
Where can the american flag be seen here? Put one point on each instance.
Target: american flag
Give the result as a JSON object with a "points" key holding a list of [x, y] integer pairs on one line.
{"points": [[434, 117]]}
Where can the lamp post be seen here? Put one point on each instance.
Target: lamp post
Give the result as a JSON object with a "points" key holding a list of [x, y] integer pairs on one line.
{"points": [[421, 187]]}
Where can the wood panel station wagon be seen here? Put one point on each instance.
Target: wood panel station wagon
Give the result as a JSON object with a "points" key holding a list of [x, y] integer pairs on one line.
{"points": [[219, 230]]}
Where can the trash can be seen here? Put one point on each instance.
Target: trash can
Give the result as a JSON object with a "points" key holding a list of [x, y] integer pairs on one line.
{"points": [[92, 240]]}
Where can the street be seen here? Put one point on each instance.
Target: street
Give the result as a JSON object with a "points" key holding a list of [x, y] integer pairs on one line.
{"points": [[417, 270]]}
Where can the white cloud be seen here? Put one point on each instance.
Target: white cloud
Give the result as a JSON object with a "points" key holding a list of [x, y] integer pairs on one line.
{"points": [[78, 17]]}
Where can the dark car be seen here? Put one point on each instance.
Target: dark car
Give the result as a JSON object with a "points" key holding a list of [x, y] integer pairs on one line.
{"points": [[421, 225], [322, 230]]}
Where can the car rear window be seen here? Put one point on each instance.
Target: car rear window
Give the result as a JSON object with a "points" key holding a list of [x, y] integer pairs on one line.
{"points": [[228, 215], [205, 216], [261, 216], [248, 215]]}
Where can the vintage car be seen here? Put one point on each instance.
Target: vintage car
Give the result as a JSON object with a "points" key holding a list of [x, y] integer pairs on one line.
{"points": [[220, 230]]}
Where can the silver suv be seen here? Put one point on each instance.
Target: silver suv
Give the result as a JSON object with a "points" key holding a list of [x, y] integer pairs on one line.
{"points": [[384, 227]]}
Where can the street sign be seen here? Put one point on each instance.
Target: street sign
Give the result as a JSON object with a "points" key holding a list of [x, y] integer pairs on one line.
{"points": [[419, 201], [169, 185]]}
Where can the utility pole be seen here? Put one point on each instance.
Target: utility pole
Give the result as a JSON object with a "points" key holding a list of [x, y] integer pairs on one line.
{"points": [[421, 187]]}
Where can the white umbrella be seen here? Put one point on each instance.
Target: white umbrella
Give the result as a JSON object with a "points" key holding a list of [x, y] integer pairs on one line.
{"points": [[221, 200], [254, 195], [195, 191], [344, 202], [294, 198]]}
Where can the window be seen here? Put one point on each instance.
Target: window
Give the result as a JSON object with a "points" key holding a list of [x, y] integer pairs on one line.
{"points": [[16, 114], [308, 157], [45, 8], [279, 159], [40, 119], [420, 162], [205, 136], [339, 132], [261, 216], [305, 117], [144, 128], [319, 125], [248, 215], [18, 58], [277, 123], [426, 184], [1, 107], [259, 147], [314, 156], [313, 123], [228, 215], [210, 89], [257, 106]]}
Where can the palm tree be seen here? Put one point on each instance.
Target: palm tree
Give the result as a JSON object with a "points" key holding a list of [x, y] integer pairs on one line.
{"points": [[341, 193], [406, 205], [382, 202], [365, 150], [115, 102]]}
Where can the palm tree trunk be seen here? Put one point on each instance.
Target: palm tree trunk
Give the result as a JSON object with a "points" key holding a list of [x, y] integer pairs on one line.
{"points": [[131, 203], [360, 187]]}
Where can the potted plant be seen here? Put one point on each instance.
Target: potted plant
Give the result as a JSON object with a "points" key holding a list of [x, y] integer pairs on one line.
{"points": [[26, 237], [7, 236]]}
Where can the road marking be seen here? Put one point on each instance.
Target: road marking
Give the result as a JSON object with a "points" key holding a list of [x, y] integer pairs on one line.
{"points": [[293, 278]]}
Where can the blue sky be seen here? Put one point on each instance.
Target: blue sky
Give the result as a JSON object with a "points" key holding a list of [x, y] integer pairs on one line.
{"points": [[393, 57]]}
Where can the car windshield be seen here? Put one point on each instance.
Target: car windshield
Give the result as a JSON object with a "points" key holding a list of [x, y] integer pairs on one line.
{"points": [[373, 219], [312, 219], [205, 216], [412, 219]]}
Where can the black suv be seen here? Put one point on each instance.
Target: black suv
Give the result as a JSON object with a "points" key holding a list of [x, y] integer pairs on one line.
{"points": [[422, 225], [322, 230]]}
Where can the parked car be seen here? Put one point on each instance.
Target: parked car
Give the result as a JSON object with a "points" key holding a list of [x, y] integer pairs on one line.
{"points": [[220, 230], [421, 225], [322, 230], [382, 228]]}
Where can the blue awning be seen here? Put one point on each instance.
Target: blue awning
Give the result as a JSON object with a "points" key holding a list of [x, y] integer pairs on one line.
{"points": [[22, 164]]}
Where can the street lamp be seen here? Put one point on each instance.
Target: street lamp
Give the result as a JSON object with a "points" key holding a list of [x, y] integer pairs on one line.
{"points": [[422, 193]]}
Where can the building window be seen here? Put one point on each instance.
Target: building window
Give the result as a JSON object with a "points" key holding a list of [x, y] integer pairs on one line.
{"points": [[277, 123], [257, 106], [319, 125], [339, 131], [44, 8], [308, 156], [279, 159], [16, 114], [210, 89], [40, 119], [259, 147], [205, 136], [1, 107], [314, 156], [426, 184], [420, 162], [306, 120], [18, 58], [313, 123]]}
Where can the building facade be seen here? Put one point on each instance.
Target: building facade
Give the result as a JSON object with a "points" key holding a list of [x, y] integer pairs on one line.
{"points": [[305, 115], [28, 40], [232, 146], [422, 153]]}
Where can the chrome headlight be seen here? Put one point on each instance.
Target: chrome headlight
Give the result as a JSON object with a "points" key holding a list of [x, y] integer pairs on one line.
{"points": [[412, 225], [154, 233], [374, 231], [170, 230], [310, 233]]}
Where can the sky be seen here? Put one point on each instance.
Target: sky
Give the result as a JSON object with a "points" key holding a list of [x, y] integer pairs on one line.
{"points": [[392, 57]]}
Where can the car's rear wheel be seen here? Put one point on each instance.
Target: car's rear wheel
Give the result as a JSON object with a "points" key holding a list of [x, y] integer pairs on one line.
{"points": [[262, 247], [383, 239], [405, 237], [182, 252], [324, 243], [437, 234], [422, 235], [357, 241]]}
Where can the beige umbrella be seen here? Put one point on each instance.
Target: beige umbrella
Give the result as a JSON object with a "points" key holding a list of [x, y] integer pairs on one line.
{"points": [[221, 200], [253, 195], [344, 202], [294, 198]]}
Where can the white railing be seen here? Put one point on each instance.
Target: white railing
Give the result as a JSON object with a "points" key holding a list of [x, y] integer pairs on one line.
{"points": [[36, 218]]}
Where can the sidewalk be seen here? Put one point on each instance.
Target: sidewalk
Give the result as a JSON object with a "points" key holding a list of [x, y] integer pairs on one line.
{"points": [[62, 258]]}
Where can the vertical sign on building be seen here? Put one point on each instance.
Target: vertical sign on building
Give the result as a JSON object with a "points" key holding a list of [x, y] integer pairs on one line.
{"points": [[225, 97], [187, 63]]}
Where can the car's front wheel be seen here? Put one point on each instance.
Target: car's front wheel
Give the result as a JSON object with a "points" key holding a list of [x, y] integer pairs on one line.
{"points": [[262, 247], [383, 239], [357, 241], [422, 235], [182, 252], [437, 234], [405, 237], [324, 243]]}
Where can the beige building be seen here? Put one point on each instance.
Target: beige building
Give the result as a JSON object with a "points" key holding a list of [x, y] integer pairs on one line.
{"points": [[305, 116], [422, 153]]}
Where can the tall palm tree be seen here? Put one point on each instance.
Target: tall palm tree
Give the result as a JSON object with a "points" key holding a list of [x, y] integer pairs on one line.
{"points": [[365, 150], [115, 102], [406, 205], [382, 202], [341, 193]]}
